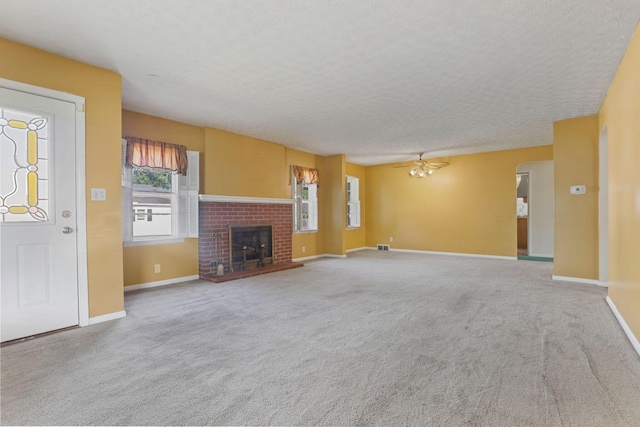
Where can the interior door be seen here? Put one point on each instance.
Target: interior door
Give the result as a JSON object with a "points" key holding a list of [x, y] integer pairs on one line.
{"points": [[38, 247]]}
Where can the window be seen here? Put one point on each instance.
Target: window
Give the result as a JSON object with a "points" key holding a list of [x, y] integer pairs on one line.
{"points": [[353, 202], [155, 194], [305, 210], [158, 204]]}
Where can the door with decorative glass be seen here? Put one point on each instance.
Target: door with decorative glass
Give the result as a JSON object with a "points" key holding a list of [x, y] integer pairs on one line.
{"points": [[37, 214]]}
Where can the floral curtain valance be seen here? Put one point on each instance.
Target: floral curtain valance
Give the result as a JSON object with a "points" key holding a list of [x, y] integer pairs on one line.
{"points": [[156, 154], [307, 175]]}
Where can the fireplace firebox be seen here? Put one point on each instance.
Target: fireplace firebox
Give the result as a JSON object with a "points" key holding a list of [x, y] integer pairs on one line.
{"points": [[251, 246]]}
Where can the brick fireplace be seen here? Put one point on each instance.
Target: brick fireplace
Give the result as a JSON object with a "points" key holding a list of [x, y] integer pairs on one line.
{"points": [[219, 213]]}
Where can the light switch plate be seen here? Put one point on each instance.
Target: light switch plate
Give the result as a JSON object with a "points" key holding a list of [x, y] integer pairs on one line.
{"points": [[578, 189], [99, 194]]}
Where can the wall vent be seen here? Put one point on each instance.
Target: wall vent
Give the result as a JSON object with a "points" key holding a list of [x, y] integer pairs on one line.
{"points": [[383, 247]]}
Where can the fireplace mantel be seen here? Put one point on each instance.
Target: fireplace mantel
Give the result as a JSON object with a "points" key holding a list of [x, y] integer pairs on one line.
{"points": [[240, 199]]}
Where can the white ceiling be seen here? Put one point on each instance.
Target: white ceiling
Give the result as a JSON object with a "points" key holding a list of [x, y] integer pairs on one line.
{"points": [[377, 80]]}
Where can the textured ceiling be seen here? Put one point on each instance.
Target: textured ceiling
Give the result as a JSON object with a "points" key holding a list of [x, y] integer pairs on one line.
{"points": [[376, 80]]}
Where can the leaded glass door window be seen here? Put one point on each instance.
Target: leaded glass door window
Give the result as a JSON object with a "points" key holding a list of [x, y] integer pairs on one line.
{"points": [[24, 157]]}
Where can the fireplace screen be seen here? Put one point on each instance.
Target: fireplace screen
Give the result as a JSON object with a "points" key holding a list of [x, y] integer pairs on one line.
{"points": [[250, 246]]}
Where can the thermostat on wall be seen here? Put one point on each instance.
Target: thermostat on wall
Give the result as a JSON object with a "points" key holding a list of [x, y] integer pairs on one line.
{"points": [[578, 189]]}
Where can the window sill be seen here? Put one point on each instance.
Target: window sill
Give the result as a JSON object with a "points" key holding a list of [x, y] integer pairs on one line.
{"points": [[304, 231], [352, 228], [151, 242]]}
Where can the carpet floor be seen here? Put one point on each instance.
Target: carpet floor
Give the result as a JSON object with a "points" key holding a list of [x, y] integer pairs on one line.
{"points": [[379, 338]]}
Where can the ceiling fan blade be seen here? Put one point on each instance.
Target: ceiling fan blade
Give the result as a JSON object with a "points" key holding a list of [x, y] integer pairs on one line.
{"points": [[435, 165]]}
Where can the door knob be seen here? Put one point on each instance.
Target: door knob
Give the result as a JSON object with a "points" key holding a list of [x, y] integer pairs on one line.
{"points": [[67, 230]]}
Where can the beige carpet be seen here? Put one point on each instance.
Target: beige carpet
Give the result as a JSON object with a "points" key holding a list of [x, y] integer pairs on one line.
{"points": [[376, 339]]}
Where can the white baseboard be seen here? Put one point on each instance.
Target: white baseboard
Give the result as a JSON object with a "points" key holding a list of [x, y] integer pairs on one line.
{"points": [[603, 284], [364, 248], [371, 248], [107, 317], [308, 258], [576, 280], [634, 341], [511, 258], [161, 283]]}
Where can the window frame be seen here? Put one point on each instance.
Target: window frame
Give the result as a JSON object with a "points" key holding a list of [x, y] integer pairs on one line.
{"points": [[352, 197], [297, 191]]}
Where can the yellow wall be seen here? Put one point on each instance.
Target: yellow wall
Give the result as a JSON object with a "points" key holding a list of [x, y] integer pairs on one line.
{"points": [[575, 158], [620, 112], [466, 207], [238, 165], [102, 91], [176, 259], [332, 210], [356, 237]]}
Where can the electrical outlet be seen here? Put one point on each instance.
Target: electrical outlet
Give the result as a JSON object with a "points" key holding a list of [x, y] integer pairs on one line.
{"points": [[304, 249], [390, 239], [156, 268]]}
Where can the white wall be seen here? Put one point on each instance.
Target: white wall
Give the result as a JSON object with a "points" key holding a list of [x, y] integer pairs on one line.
{"points": [[540, 207]]}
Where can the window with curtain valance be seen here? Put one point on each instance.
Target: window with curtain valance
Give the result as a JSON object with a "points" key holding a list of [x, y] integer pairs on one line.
{"points": [[156, 154], [304, 190], [160, 183], [306, 175]]}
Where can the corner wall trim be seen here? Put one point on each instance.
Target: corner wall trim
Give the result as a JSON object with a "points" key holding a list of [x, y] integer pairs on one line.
{"points": [[364, 248], [576, 280], [161, 283], [511, 258], [634, 341], [107, 317]]}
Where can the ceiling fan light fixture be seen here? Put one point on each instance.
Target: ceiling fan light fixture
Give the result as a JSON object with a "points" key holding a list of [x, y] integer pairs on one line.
{"points": [[423, 168]]}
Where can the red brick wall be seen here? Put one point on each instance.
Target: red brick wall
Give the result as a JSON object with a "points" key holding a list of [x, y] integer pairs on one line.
{"points": [[216, 217]]}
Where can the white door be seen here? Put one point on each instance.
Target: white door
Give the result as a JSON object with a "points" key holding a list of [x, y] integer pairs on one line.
{"points": [[38, 251]]}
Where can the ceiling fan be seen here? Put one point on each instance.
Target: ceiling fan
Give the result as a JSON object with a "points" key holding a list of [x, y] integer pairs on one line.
{"points": [[422, 168]]}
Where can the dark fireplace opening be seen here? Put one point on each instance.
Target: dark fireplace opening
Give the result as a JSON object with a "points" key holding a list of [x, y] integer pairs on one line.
{"points": [[250, 246]]}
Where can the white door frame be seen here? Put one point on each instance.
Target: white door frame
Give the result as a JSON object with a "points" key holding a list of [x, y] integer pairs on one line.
{"points": [[603, 207], [81, 202]]}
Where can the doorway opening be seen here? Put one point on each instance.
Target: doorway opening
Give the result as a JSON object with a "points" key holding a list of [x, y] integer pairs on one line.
{"points": [[534, 210], [522, 212]]}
